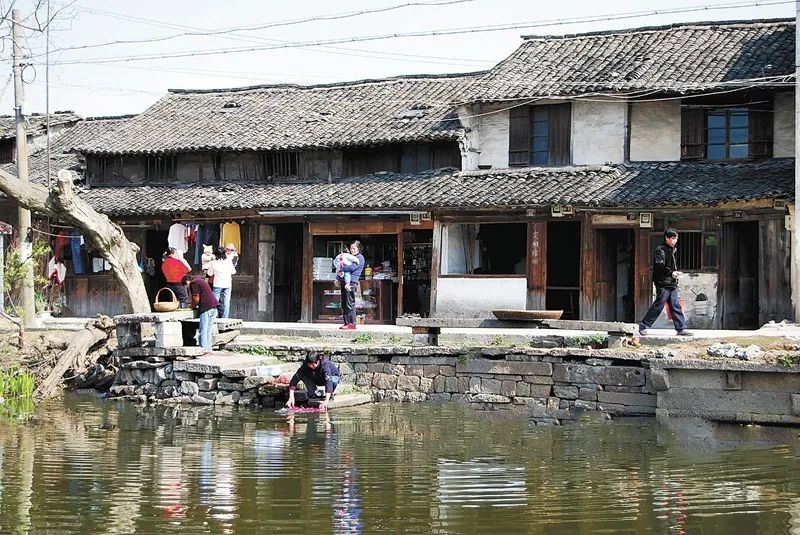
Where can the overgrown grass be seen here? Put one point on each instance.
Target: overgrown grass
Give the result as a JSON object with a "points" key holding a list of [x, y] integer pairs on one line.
{"points": [[16, 384], [253, 350], [364, 338], [596, 341]]}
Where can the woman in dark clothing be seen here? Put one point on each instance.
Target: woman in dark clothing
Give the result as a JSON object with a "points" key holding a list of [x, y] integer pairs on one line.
{"points": [[315, 371], [349, 296]]}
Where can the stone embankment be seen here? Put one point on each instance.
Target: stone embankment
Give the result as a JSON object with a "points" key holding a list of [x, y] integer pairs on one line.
{"points": [[553, 385]]}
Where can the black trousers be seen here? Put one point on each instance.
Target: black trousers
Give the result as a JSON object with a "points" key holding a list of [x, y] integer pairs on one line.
{"points": [[180, 293], [349, 304]]}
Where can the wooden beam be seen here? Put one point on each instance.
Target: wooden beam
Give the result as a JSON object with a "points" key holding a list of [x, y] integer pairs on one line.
{"points": [[307, 289], [536, 265], [400, 261], [436, 254]]}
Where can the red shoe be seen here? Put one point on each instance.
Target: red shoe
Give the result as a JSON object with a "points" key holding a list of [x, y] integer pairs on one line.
{"points": [[348, 327], [344, 327]]}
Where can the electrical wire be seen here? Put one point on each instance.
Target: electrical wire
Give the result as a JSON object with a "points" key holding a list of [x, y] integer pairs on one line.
{"points": [[451, 31]]}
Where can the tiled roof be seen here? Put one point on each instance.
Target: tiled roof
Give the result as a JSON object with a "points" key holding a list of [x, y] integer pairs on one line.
{"points": [[675, 59], [639, 184], [62, 144], [289, 117], [36, 123]]}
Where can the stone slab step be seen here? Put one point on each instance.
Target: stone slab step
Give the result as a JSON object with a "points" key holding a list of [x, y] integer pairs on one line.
{"points": [[223, 364], [344, 400]]}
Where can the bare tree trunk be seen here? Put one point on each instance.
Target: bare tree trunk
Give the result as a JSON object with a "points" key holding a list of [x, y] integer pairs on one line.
{"points": [[95, 331], [106, 237]]}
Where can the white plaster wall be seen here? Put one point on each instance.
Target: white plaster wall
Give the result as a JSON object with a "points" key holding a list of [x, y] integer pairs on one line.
{"points": [[698, 315], [598, 132], [656, 131], [477, 297], [783, 125], [487, 140]]}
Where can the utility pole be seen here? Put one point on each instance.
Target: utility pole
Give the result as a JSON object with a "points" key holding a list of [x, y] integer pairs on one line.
{"points": [[25, 234], [795, 216]]}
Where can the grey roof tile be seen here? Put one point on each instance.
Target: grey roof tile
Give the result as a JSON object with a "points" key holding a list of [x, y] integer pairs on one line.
{"points": [[35, 123], [640, 184], [676, 59], [289, 117]]}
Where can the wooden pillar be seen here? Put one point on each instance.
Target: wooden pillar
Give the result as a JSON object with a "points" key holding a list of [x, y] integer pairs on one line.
{"points": [[643, 279], [536, 265], [307, 290], [586, 277], [265, 280], [436, 255], [400, 262]]}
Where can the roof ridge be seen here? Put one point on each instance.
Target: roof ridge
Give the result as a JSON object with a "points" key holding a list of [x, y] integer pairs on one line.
{"points": [[331, 85], [666, 27]]}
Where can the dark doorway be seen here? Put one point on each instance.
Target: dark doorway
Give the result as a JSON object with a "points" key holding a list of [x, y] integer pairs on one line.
{"points": [[417, 255], [155, 246], [563, 267], [288, 271], [613, 264], [739, 276]]}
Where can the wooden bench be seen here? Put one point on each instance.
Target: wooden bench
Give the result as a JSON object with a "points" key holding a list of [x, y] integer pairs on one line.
{"points": [[426, 331]]}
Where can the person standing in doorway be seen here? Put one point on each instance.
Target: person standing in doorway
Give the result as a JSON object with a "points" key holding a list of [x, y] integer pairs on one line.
{"points": [[222, 271], [204, 301], [665, 279], [349, 294], [174, 267]]}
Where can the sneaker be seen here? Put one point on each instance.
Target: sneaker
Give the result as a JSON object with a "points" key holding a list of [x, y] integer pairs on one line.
{"points": [[642, 330], [344, 327], [350, 327], [685, 333]]}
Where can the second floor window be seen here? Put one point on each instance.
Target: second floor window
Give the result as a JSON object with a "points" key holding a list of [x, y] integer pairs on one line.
{"points": [[726, 133], [539, 135]]}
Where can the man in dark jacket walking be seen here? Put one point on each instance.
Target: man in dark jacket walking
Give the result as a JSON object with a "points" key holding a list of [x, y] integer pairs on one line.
{"points": [[665, 279], [315, 371]]}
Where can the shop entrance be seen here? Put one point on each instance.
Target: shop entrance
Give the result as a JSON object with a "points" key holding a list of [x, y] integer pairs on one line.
{"points": [[614, 270], [154, 248], [288, 280], [739, 276], [417, 254], [563, 267]]}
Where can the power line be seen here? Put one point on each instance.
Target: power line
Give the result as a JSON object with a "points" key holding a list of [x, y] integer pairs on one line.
{"points": [[291, 22], [451, 31]]}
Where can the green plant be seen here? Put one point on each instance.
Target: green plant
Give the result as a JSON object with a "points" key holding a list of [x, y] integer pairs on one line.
{"points": [[15, 269], [595, 340], [364, 338], [253, 350], [498, 340], [789, 360], [395, 340], [15, 383]]}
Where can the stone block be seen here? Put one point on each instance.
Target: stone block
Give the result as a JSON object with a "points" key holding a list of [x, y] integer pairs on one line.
{"points": [[599, 362], [565, 404], [409, 383], [451, 385], [208, 395], [394, 369], [474, 385], [489, 398], [553, 404], [430, 371], [229, 398], [230, 386], [248, 398], [184, 376], [503, 367], [796, 404], [206, 385], [587, 394], [165, 392], [169, 334], [394, 395], [621, 398], [129, 335], [189, 388], [631, 410], [553, 360], [700, 402], [660, 379], [384, 381], [427, 356], [463, 384], [440, 397], [415, 397], [359, 368], [490, 386], [414, 369], [426, 385], [540, 391], [508, 388], [538, 379], [523, 389], [254, 381], [364, 379], [376, 367], [585, 405], [565, 391], [201, 400], [447, 371], [602, 375]]}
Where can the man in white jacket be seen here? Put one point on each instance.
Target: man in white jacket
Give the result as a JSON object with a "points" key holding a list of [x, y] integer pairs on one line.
{"points": [[222, 269]]}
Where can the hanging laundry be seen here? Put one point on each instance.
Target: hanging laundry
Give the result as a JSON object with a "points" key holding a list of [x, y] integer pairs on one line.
{"points": [[76, 244], [62, 243], [177, 237], [231, 234], [56, 271]]}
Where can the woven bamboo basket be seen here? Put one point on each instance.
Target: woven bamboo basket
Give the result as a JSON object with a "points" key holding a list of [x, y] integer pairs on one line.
{"points": [[166, 306], [526, 315]]}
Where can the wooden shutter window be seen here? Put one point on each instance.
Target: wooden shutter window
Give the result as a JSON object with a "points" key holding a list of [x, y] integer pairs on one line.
{"points": [[693, 134], [560, 126], [760, 133], [519, 132]]}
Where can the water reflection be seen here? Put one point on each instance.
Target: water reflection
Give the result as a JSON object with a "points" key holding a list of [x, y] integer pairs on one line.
{"points": [[87, 466]]}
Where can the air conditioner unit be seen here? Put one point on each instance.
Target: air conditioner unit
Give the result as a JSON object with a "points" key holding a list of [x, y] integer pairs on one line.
{"points": [[646, 219]]}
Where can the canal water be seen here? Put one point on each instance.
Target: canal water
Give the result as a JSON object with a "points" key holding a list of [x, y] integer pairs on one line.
{"points": [[91, 466]]}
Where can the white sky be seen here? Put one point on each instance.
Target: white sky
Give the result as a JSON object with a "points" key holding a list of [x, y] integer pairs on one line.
{"points": [[131, 86]]}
